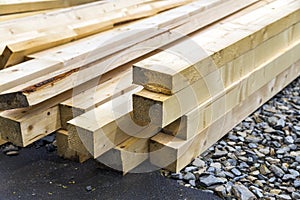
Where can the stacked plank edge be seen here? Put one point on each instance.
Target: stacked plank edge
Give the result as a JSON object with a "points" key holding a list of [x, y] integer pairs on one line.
{"points": [[90, 79]]}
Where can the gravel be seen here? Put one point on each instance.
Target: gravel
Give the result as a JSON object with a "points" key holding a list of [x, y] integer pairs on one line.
{"points": [[259, 158]]}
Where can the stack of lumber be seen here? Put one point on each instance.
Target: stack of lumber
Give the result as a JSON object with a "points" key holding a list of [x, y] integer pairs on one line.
{"points": [[199, 68]]}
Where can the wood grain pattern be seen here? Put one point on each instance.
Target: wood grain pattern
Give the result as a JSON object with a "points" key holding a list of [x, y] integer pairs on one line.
{"points": [[174, 154], [184, 63]]}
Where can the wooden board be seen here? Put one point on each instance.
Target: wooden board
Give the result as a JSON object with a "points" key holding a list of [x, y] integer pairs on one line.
{"points": [[97, 69], [120, 82], [174, 154], [127, 156], [24, 72], [161, 109], [26, 125], [24, 131], [63, 149], [17, 6], [20, 15], [74, 63], [186, 62], [15, 52], [98, 130], [209, 111], [62, 16], [14, 30]]}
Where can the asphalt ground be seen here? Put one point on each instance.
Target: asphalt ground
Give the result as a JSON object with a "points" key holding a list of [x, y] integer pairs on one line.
{"points": [[39, 174]]}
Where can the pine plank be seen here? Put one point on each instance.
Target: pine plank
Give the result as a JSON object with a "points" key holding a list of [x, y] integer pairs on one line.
{"points": [[63, 16], [126, 156], [97, 130], [118, 83], [210, 110], [63, 149], [26, 125], [168, 73], [24, 131], [73, 63], [16, 52], [17, 6], [12, 28], [161, 110], [172, 153], [24, 72], [21, 15]]}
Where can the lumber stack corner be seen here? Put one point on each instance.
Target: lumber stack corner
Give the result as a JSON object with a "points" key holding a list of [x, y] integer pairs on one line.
{"points": [[140, 80]]}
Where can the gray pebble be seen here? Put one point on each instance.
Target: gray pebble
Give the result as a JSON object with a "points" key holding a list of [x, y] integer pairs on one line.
{"points": [[289, 140], [284, 197], [88, 188], [12, 153], [252, 145], [216, 165], [296, 195], [265, 151], [287, 177], [221, 190], [243, 165], [192, 183], [177, 176], [233, 138], [236, 172], [293, 147], [277, 170], [272, 160], [272, 121], [243, 193], [10, 150], [189, 176], [219, 153], [297, 183], [228, 174], [253, 139], [294, 172], [290, 189], [272, 179], [190, 169], [211, 170], [211, 180], [198, 163]]}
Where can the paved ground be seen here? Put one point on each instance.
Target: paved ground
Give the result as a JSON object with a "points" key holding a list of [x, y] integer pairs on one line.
{"points": [[38, 174]]}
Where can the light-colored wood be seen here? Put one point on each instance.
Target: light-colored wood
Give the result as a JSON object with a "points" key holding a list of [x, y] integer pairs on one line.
{"points": [[98, 130], [14, 30], [161, 109], [62, 17], [24, 72], [73, 63], [127, 155], [63, 149], [15, 53], [24, 131], [21, 15], [2, 142], [186, 62], [172, 153], [17, 6], [210, 110], [118, 83], [26, 125]]}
